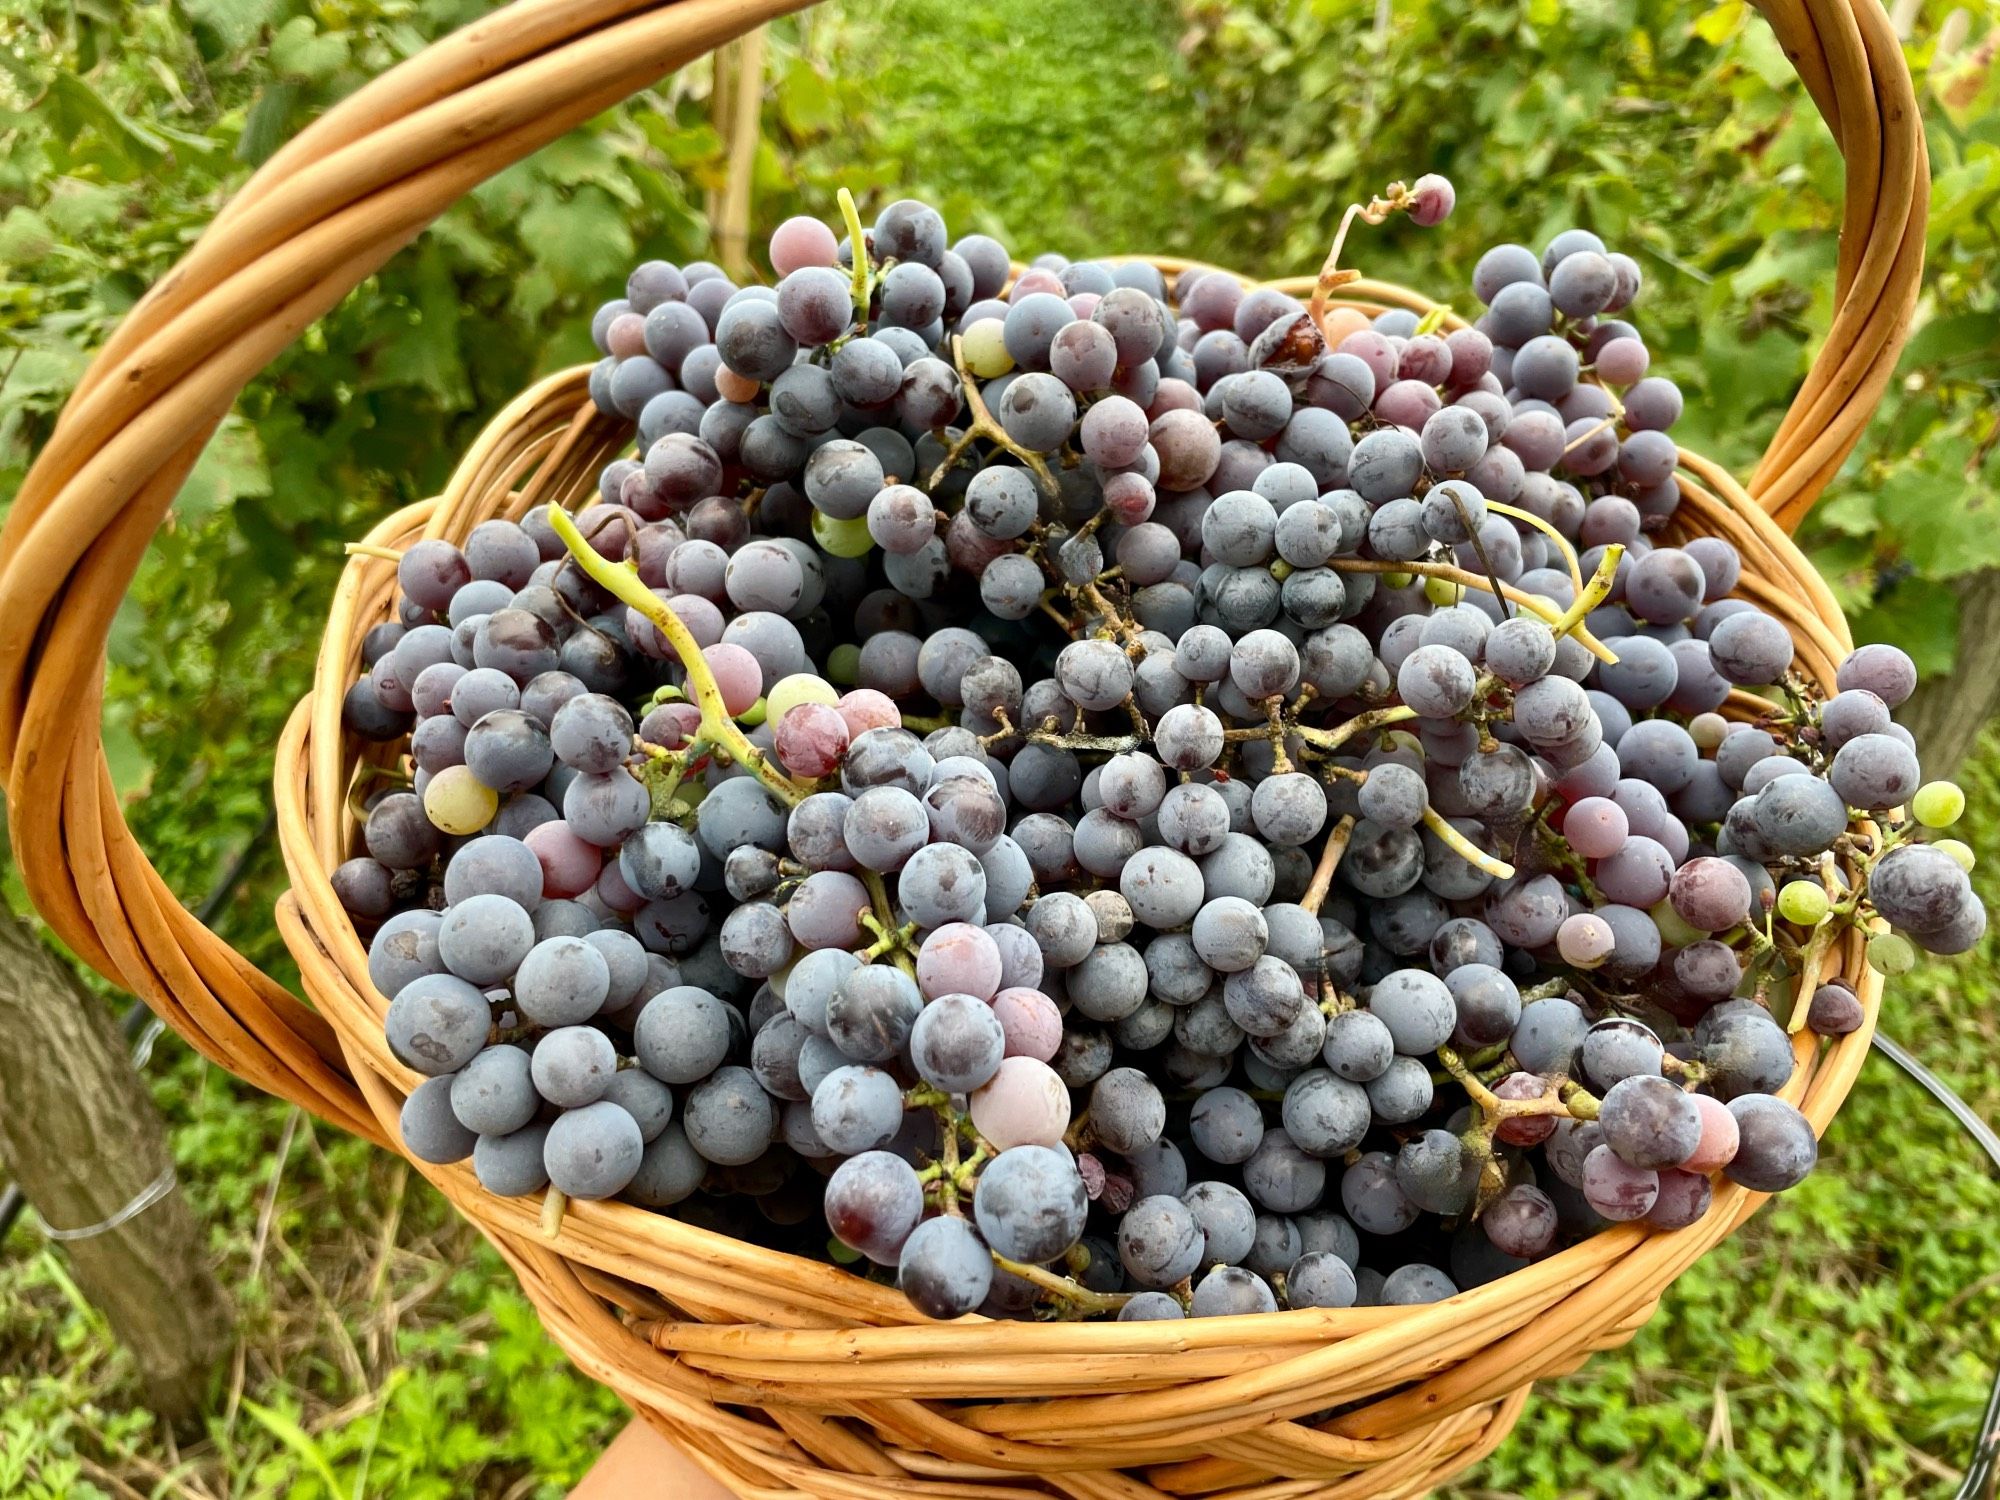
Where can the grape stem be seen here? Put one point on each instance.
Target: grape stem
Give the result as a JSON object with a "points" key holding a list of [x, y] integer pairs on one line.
{"points": [[1557, 848], [1464, 848], [983, 426], [1281, 763], [676, 762], [1005, 732], [1109, 744], [1331, 277], [1590, 595], [858, 251], [1079, 1298], [1534, 604], [1332, 739], [1329, 861], [882, 921], [1810, 963], [717, 727], [554, 1205], [1556, 538], [1562, 1097]]}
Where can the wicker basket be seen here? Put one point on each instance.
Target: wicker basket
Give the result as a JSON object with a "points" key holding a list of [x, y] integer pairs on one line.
{"points": [[785, 1377]]}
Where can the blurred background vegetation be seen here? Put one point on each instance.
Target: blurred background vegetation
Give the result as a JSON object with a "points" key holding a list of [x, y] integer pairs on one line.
{"points": [[1839, 1347]]}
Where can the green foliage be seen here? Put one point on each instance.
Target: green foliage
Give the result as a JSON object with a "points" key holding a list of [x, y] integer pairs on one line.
{"points": [[124, 130], [1837, 1347]]}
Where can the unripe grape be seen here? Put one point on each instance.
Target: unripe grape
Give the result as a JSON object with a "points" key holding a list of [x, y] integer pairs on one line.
{"points": [[1958, 851], [1891, 953], [842, 538], [1804, 902], [458, 803], [1938, 804], [985, 347]]}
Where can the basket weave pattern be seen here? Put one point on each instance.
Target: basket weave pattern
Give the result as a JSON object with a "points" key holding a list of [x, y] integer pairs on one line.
{"points": [[786, 1377]]}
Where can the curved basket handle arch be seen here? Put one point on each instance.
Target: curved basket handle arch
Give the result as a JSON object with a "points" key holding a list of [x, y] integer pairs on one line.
{"points": [[363, 181]]}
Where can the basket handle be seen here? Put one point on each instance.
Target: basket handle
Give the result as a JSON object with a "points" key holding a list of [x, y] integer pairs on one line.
{"points": [[363, 181]]}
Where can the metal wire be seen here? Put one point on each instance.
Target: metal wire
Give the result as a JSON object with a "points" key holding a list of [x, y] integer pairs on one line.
{"points": [[140, 1026], [1981, 1472]]}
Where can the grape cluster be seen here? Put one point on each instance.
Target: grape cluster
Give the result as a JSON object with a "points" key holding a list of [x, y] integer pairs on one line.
{"points": [[1085, 794]]}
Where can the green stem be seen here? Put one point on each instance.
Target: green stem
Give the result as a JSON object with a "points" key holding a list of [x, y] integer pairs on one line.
{"points": [[1340, 734], [1077, 1296], [717, 727], [1464, 848], [884, 922], [858, 245], [1592, 594]]}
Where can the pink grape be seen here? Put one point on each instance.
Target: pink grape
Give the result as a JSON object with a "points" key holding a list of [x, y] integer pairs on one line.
{"points": [[1024, 1104], [1036, 281], [615, 893], [1596, 827], [969, 548], [810, 739], [702, 617], [1620, 361], [1718, 1136], [802, 241], [1030, 1021], [1524, 1130], [1129, 498], [569, 865], [959, 959], [1585, 939], [736, 674], [865, 709], [1618, 1191], [671, 725], [626, 336], [1431, 199]]}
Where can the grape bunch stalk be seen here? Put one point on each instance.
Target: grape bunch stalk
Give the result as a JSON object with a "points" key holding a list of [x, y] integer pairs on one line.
{"points": [[1088, 797]]}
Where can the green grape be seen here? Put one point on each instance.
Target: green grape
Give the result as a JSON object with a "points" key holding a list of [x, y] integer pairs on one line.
{"points": [[1891, 953], [1674, 932], [985, 348], [1938, 804], [1397, 580], [842, 538], [1959, 851], [458, 802], [1803, 902], [843, 663], [1442, 591], [800, 687], [755, 714]]}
